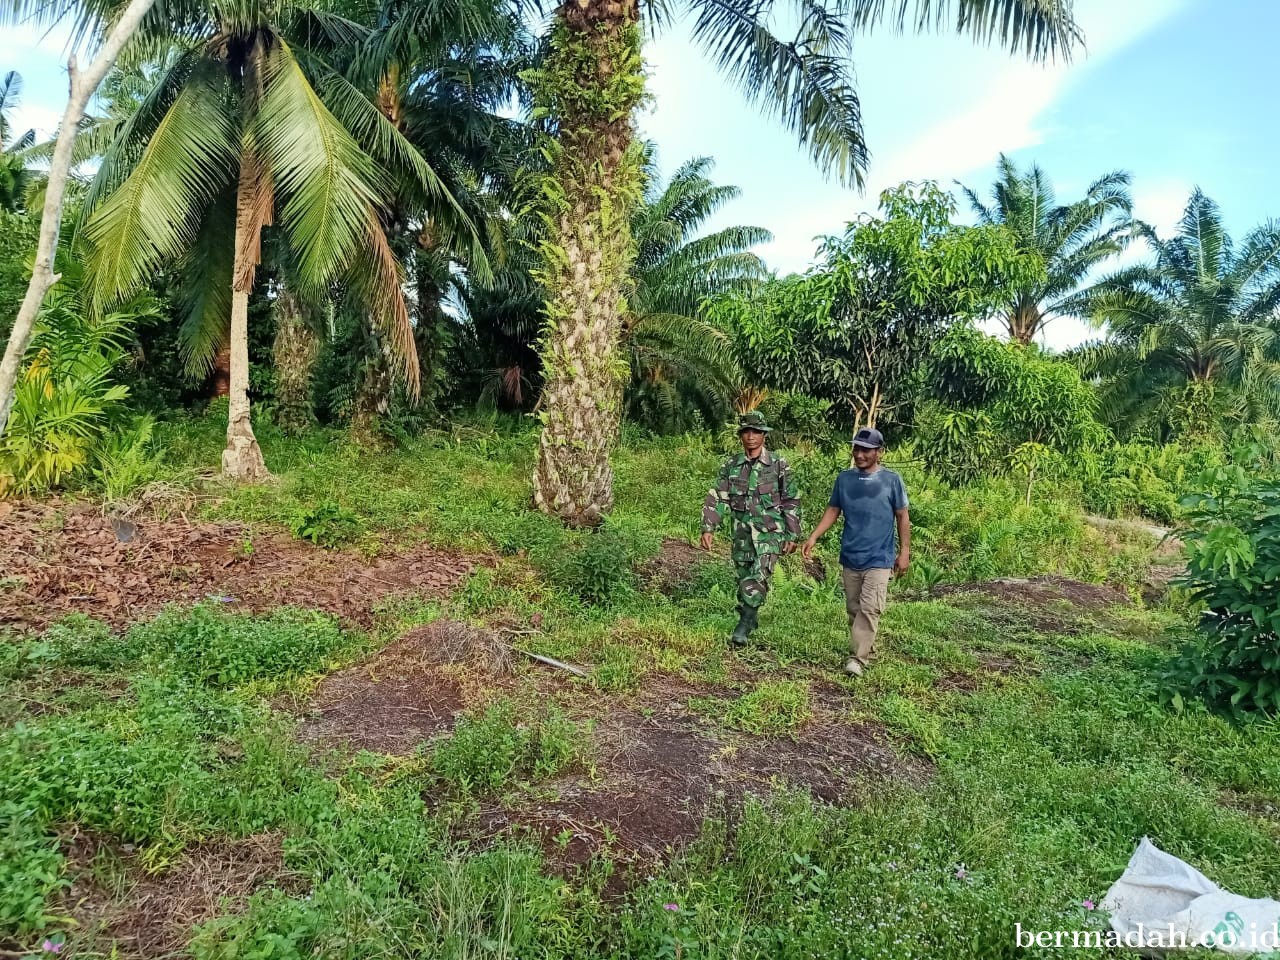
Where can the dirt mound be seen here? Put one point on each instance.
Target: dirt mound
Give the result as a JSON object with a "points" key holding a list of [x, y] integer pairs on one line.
{"points": [[113, 901], [674, 569], [405, 694], [60, 559], [660, 773], [1039, 592]]}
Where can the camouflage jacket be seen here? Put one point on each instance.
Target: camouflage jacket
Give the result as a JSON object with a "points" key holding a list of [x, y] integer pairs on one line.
{"points": [[759, 493]]}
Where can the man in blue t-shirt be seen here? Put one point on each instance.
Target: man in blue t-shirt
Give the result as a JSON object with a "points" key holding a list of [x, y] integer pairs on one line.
{"points": [[873, 501]]}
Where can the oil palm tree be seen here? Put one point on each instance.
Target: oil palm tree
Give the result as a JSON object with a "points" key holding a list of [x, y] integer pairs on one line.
{"points": [[587, 90], [1072, 239], [445, 75], [681, 364], [13, 147], [250, 123], [1192, 339]]}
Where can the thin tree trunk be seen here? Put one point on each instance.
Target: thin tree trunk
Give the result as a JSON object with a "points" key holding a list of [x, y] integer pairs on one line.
{"points": [[591, 84], [83, 86], [242, 458], [294, 353]]}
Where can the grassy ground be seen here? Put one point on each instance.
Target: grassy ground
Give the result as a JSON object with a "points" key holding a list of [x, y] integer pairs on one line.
{"points": [[1010, 750]]}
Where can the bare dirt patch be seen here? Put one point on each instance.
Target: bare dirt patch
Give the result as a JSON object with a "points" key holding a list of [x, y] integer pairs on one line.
{"points": [[69, 558], [660, 772], [115, 903], [407, 693]]}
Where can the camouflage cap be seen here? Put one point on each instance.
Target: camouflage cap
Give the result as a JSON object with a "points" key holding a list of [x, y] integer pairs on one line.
{"points": [[753, 421]]}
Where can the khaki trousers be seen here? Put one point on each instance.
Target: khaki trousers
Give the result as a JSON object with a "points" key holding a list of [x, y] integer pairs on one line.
{"points": [[865, 593]]}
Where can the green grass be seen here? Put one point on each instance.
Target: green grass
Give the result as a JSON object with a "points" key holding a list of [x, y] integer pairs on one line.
{"points": [[1032, 786]]}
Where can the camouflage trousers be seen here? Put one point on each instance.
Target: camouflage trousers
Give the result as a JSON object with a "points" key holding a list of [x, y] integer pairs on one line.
{"points": [[755, 553]]}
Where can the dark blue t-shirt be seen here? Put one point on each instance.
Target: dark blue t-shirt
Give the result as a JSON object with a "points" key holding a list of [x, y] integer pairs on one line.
{"points": [[868, 502]]}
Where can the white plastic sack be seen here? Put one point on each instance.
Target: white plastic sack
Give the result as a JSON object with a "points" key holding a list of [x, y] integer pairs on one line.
{"points": [[1160, 903]]}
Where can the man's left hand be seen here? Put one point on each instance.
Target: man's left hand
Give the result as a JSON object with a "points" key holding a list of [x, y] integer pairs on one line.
{"points": [[901, 564], [789, 547]]}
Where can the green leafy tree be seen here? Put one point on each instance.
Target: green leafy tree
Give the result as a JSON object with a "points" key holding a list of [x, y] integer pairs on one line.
{"points": [[858, 329], [1002, 407], [1232, 535], [105, 27], [587, 91], [251, 125], [683, 371], [1191, 339], [1072, 239]]}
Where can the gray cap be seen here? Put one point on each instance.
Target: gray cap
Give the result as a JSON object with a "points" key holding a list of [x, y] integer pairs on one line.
{"points": [[869, 438]]}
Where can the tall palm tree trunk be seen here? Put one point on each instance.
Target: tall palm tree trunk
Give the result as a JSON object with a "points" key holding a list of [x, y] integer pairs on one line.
{"points": [[590, 85], [294, 354], [242, 457]]}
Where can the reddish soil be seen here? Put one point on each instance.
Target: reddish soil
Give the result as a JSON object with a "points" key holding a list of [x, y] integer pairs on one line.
{"points": [[401, 696], [69, 558], [115, 903]]}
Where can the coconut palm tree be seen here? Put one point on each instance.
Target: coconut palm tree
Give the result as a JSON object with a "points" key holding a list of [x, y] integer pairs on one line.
{"points": [[13, 148], [588, 89], [1192, 339], [252, 123], [1072, 239], [681, 364]]}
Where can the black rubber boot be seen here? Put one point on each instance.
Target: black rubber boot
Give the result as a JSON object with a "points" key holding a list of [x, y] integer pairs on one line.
{"points": [[748, 618]]}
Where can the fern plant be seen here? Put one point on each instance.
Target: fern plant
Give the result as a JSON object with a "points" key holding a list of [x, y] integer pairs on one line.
{"points": [[68, 402]]}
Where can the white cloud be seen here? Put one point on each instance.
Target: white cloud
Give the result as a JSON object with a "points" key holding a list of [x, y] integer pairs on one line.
{"points": [[1011, 112]]}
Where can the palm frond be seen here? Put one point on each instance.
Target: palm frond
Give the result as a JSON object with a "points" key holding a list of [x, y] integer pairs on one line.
{"points": [[126, 141], [154, 215], [204, 290], [1042, 29], [328, 184], [375, 277], [805, 82]]}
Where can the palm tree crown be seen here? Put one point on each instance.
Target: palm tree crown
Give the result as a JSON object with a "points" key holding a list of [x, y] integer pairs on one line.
{"points": [[1197, 328], [13, 149], [1071, 239], [680, 362]]}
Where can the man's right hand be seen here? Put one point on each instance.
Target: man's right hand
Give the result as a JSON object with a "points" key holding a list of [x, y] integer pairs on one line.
{"points": [[706, 541], [806, 550]]}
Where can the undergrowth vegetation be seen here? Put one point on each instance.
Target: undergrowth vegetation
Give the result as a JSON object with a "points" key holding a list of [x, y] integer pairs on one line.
{"points": [[1028, 748]]}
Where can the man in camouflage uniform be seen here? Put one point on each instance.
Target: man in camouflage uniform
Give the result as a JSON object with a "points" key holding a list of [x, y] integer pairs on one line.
{"points": [[754, 488]]}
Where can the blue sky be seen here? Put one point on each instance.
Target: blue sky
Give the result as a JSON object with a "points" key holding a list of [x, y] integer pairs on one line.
{"points": [[1178, 92]]}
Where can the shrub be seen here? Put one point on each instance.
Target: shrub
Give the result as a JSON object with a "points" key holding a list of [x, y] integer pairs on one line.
{"points": [[327, 524], [489, 752], [598, 571], [1233, 569], [67, 403]]}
